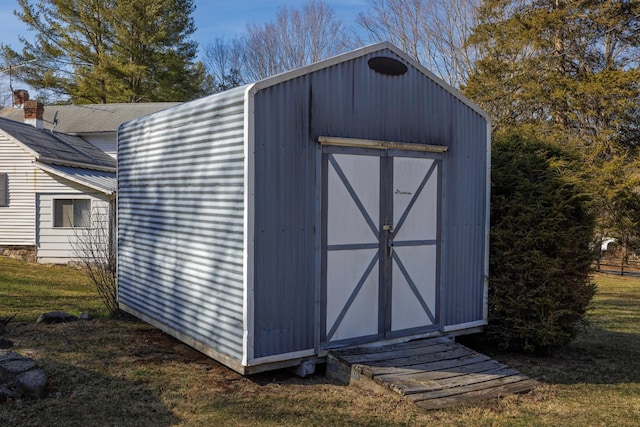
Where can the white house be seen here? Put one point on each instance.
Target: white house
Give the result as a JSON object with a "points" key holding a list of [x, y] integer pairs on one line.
{"points": [[95, 123], [52, 187]]}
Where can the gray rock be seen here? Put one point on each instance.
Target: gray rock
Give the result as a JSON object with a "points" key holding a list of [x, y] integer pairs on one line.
{"points": [[84, 316], [7, 393], [15, 367], [7, 356], [56, 317], [12, 364], [19, 377], [32, 383]]}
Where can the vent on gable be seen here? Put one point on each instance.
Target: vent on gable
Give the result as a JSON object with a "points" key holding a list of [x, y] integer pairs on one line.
{"points": [[387, 66]]}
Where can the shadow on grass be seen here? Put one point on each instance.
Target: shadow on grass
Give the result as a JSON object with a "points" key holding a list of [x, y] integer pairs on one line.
{"points": [[596, 356], [87, 384], [286, 376], [81, 397]]}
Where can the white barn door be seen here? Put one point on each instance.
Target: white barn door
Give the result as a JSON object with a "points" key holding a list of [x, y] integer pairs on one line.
{"points": [[380, 244]]}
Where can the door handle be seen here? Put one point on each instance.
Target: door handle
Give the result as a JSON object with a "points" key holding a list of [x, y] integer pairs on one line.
{"points": [[389, 229]]}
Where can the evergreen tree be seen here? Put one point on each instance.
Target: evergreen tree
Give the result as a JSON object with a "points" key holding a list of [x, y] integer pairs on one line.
{"points": [[99, 51], [568, 71], [568, 68], [541, 245]]}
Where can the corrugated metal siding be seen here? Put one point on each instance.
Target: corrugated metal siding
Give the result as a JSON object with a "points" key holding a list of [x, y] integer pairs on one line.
{"points": [[465, 192], [180, 219], [285, 221], [349, 100]]}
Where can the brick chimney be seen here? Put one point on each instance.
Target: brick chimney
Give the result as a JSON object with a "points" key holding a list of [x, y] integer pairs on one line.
{"points": [[20, 96], [33, 113]]}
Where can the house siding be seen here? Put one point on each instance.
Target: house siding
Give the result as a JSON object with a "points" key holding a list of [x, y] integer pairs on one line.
{"points": [[61, 245], [180, 220], [17, 220], [27, 221], [106, 141]]}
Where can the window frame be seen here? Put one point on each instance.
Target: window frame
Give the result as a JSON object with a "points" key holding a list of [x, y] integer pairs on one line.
{"points": [[54, 212]]}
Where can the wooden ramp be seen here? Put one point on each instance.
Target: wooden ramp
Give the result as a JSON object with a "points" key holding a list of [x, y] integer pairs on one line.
{"points": [[434, 373]]}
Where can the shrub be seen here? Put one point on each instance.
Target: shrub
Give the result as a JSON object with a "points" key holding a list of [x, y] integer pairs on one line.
{"points": [[540, 248], [95, 250]]}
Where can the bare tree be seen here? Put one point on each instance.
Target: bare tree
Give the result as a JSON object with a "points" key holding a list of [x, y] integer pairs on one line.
{"points": [[433, 32], [225, 62], [297, 37], [95, 250]]}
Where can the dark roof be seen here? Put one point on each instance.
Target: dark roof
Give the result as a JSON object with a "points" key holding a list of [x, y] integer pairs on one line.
{"points": [[55, 147], [89, 118]]}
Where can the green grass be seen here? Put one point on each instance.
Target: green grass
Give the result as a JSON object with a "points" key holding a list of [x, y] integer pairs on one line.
{"points": [[28, 290], [108, 372]]}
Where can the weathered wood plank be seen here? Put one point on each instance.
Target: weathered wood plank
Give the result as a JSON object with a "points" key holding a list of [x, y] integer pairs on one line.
{"points": [[434, 373], [428, 366], [466, 398], [390, 356], [452, 353], [476, 388], [422, 381], [412, 385], [343, 352]]}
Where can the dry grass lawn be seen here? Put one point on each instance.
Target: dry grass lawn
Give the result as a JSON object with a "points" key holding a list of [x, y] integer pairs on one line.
{"points": [[106, 372]]}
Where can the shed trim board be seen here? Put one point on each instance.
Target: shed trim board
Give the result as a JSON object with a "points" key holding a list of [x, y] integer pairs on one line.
{"points": [[441, 160], [381, 145], [249, 230], [487, 228], [465, 326]]}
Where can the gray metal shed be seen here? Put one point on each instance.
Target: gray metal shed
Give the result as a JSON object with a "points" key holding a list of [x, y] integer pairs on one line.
{"points": [[341, 203]]}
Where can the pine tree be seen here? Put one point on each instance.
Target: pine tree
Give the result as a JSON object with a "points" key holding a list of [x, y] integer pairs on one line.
{"points": [[568, 71], [99, 51], [567, 68]]}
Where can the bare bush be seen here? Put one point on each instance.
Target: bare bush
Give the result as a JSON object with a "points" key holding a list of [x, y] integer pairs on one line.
{"points": [[95, 252]]}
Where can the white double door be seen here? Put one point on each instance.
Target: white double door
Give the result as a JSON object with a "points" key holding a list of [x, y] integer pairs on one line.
{"points": [[381, 248]]}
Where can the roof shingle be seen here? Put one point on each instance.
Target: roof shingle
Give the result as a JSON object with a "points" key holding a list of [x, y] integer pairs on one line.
{"points": [[90, 118], [53, 146]]}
